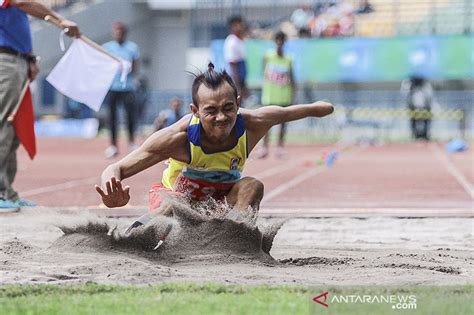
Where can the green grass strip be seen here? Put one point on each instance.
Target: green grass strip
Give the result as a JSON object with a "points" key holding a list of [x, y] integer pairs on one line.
{"points": [[222, 299]]}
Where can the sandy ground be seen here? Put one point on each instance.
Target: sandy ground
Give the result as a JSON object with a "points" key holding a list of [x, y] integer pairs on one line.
{"points": [[306, 251]]}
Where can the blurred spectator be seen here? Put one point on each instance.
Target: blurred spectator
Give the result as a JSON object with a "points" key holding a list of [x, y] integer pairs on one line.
{"points": [[365, 7], [347, 24], [304, 33], [317, 25], [141, 100], [278, 87], [333, 8], [169, 116], [122, 92], [307, 86], [335, 18], [234, 54], [419, 97], [332, 27], [301, 16]]}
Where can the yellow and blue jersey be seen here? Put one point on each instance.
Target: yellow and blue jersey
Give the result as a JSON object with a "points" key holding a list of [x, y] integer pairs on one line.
{"points": [[225, 166]]}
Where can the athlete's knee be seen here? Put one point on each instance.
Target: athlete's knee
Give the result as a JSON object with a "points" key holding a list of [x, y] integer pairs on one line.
{"points": [[254, 185]]}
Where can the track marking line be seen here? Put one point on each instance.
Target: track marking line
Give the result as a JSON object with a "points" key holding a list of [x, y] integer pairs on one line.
{"points": [[61, 186], [295, 181], [301, 178], [279, 169], [468, 188], [295, 212], [354, 212]]}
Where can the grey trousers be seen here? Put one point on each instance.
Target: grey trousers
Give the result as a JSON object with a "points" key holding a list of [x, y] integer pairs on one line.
{"points": [[13, 74]]}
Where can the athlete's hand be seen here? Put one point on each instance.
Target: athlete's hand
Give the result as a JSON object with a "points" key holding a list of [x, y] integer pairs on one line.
{"points": [[116, 196]]}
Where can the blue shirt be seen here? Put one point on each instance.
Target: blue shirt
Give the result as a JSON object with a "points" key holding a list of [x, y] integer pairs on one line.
{"points": [[15, 30], [128, 51]]}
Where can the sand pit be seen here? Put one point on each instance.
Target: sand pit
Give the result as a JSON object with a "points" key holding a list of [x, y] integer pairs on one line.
{"points": [[184, 237], [309, 251]]}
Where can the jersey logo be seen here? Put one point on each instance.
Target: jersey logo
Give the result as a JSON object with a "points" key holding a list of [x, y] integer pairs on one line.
{"points": [[234, 163]]}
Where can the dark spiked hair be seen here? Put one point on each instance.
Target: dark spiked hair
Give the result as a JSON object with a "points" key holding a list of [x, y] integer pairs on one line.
{"points": [[211, 79]]}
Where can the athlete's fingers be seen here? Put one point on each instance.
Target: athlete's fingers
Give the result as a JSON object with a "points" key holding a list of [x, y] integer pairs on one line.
{"points": [[109, 189], [119, 186], [114, 184], [126, 191], [100, 191]]}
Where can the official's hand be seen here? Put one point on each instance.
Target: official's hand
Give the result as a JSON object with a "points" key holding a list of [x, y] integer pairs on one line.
{"points": [[33, 70], [116, 196], [73, 29]]}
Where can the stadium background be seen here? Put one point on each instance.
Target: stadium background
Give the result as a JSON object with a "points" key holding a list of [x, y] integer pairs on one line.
{"points": [[398, 216], [428, 37]]}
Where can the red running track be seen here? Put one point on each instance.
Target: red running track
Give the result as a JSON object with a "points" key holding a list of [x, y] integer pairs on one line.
{"points": [[409, 176]]}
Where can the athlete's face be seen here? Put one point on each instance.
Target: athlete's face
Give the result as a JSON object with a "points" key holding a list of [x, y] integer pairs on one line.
{"points": [[217, 111]]}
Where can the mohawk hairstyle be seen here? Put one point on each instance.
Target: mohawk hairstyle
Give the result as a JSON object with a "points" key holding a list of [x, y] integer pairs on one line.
{"points": [[211, 79]]}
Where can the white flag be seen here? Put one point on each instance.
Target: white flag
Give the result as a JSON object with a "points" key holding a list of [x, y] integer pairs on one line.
{"points": [[84, 74]]}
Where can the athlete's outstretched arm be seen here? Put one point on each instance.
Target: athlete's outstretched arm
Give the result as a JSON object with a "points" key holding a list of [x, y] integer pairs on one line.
{"points": [[163, 144], [274, 115], [259, 121]]}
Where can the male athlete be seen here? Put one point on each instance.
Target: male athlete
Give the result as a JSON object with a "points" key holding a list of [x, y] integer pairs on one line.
{"points": [[207, 149]]}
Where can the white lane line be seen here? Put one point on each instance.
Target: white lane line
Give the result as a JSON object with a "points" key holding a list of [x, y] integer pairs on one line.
{"points": [[348, 212], [453, 170], [280, 168], [296, 212], [313, 156], [61, 186], [295, 181], [299, 179]]}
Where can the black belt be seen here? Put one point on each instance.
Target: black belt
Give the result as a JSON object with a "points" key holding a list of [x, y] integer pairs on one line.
{"points": [[13, 52], [9, 51]]}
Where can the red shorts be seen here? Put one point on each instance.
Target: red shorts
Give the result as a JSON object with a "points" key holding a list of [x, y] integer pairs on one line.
{"points": [[156, 195], [194, 189]]}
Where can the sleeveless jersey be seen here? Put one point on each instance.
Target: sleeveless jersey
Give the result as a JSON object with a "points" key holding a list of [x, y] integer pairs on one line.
{"points": [[207, 173], [277, 88]]}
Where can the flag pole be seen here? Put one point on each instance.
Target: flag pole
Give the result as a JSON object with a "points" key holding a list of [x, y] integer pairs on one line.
{"points": [[11, 117], [57, 23]]}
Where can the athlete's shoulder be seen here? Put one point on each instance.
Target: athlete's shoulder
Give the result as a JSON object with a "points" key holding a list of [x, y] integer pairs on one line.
{"points": [[171, 141], [181, 126], [251, 117], [174, 132]]}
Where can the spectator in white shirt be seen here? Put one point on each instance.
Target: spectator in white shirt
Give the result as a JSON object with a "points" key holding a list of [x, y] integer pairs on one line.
{"points": [[234, 54]]}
